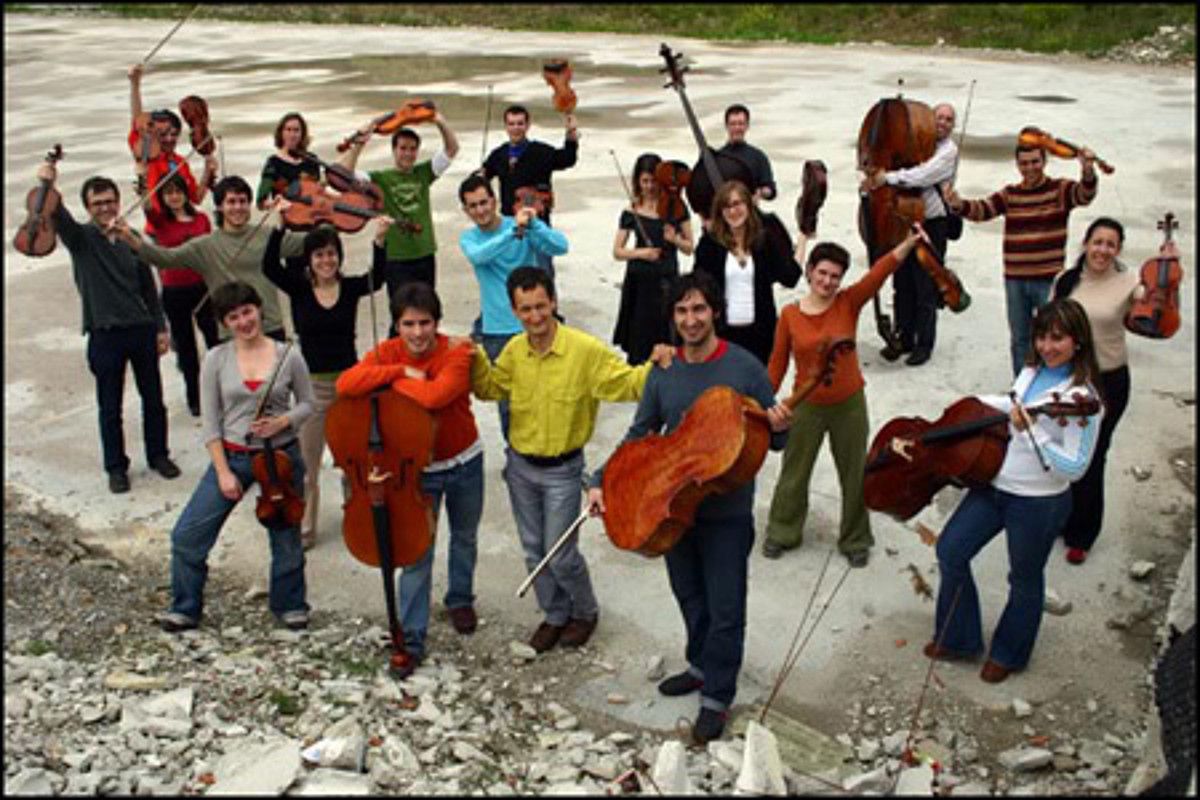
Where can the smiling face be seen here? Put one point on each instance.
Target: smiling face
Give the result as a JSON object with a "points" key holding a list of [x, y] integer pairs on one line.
{"points": [[517, 126], [1055, 347], [245, 321], [1101, 249], [174, 198], [535, 309], [647, 186], [103, 206], [1032, 166], [235, 210], [694, 319], [324, 263], [418, 331], [943, 120], [736, 210], [405, 153], [736, 125], [480, 206], [825, 277]]}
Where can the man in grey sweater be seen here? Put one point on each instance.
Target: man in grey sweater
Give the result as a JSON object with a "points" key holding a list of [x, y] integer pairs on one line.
{"points": [[707, 567], [124, 323]]}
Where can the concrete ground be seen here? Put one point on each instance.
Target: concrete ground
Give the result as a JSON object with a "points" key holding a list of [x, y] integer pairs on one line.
{"points": [[65, 81]]}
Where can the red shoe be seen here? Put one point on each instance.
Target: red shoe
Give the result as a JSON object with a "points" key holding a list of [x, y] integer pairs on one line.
{"points": [[993, 672], [1076, 555], [939, 653], [463, 619]]}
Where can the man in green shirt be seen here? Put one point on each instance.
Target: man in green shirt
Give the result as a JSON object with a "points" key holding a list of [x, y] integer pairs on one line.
{"points": [[555, 377], [410, 242]]}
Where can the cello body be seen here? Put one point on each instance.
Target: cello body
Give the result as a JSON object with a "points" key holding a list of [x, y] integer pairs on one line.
{"points": [[653, 485], [391, 477]]}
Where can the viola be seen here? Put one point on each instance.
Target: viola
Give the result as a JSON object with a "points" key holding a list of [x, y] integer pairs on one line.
{"points": [[672, 178], [382, 442], [37, 235], [1036, 137], [897, 133], [653, 485], [718, 166], [912, 459], [312, 205], [558, 75], [278, 506], [413, 112], [194, 111], [1156, 313], [814, 184]]}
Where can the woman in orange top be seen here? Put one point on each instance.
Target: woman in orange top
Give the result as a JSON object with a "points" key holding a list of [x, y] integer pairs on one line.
{"points": [[824, 315]]}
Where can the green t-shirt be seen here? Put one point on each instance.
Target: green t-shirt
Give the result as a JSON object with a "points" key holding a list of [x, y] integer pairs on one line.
{"points": [[406, 200]]}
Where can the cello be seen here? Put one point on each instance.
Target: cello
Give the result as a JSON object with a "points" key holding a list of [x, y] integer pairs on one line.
{"points": [[382, 442], [898, 133], [1156, 313], [911, 459], [37, 236]]}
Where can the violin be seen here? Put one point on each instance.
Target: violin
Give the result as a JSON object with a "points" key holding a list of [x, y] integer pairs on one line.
{"points": [[312, 205], [382, 442], [558, 75], [912, 459], [278, 506], [1156, 314], [897, 133], [1036, 137], [146, 146], [37, 235], [194, 111], [413, 112], [653, 485], [540, 199], [672, 178], [814, 185]]}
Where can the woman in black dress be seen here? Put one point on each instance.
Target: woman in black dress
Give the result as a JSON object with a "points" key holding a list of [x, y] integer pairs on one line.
{"points": [[651, 265], [291, 139]]}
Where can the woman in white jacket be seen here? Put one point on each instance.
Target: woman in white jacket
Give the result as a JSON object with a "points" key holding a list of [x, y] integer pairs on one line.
{"points": [[1030, 497]]}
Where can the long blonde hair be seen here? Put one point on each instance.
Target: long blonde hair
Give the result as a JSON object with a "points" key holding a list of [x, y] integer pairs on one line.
{"points": [[719, 228]]}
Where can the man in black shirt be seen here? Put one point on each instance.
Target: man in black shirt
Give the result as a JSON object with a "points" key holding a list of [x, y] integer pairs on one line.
{"points": [[737, 122], [124, 322]]}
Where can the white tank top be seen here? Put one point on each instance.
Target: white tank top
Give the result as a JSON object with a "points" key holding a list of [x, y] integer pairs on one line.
{"points": [[739, 291]]}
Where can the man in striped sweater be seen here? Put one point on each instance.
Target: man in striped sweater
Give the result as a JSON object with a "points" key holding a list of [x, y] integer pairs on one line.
{"points": [[1035, 234]]}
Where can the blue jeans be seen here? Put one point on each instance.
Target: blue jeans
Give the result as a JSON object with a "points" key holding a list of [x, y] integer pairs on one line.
{"points": [[108, 351], [545, 501], [1031, 524], [493, 343], [196, 531], [1022, 297], [462, 488], [708, 572]]}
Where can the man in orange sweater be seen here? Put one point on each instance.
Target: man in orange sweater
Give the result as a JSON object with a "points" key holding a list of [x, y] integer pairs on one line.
{"points": [[435, 371]]}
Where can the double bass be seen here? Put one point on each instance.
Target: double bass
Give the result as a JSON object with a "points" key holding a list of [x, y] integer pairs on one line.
{"points": [[912, 459], [1156, 313], [895, 134]]}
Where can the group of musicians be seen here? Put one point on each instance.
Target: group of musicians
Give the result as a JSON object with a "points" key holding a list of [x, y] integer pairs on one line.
{"points": [[682, 334]]}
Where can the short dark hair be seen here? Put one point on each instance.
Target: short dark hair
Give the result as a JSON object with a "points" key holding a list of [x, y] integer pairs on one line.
{"points": [[1028, 148], [737, 108], [177, 181], [419, 295], [167, 115], [829, 251], [95, 185], [406, 133], [234, 184], [303, 129], [517, 109], [472, 183], [322, 236], [527, 279], [228, 296], [696, 282]]}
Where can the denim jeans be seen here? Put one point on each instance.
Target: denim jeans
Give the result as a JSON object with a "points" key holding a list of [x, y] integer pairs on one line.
{"points": [[196, 531], [493, 343], [462, 488], [1031, 524], [545, 501], [108, 351], [1022, 297], [708, 572]]}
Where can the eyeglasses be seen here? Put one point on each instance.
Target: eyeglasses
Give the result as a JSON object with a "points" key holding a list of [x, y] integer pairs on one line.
{"points": [[101, 203]]}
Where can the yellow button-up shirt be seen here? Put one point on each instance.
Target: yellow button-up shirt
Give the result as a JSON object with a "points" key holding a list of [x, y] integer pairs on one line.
{"points": [[555, 395]]}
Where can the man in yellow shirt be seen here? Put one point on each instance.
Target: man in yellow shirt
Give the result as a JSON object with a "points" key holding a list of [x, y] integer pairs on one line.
{"points": [[554, 377]]}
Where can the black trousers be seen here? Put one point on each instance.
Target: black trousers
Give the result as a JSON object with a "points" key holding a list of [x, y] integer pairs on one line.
{"points": [[1087, 493], [108, 351], [178, 302], [915, 297]]}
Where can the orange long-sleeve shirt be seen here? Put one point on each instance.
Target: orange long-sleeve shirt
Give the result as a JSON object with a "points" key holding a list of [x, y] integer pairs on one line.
{"points": [[801, 335], [445, 391]]}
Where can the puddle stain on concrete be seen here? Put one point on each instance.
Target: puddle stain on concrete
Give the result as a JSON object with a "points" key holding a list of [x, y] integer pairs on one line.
{"points": [[1046, 98]]}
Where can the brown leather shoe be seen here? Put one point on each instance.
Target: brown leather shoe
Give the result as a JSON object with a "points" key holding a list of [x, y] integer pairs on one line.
{"points": [[993, 672], [578, 631], [545, 637], [463, 619], [935, 651]]}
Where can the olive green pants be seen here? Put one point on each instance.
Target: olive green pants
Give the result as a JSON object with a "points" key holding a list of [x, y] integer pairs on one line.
{"points": [[846, 423]]}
